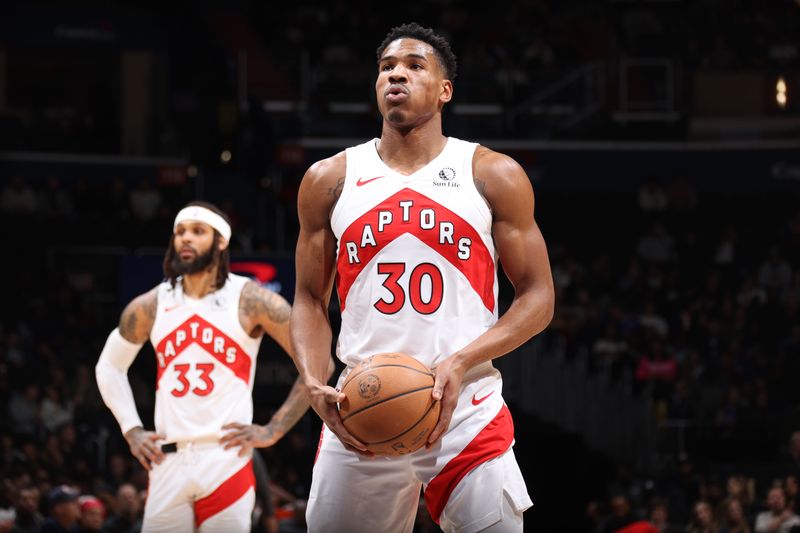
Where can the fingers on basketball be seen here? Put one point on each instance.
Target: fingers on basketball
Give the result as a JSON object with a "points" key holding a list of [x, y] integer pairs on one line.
{"points": [[389, 405]]}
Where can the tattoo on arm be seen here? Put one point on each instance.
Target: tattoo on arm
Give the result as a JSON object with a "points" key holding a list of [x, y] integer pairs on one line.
{"points": [[258, 302], [481, 186], [336, 191], [127, 324], [292, 410], [138, 317]]}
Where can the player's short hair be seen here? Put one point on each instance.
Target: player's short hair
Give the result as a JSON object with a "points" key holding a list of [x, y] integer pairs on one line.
{"points": [[221, 258], [412, 30]]}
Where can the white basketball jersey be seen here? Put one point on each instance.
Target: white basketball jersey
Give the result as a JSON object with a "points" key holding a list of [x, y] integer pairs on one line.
{"points": [[205, 362], [416, 264]]}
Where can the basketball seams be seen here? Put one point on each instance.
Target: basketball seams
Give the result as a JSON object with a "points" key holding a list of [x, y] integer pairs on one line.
{"points": [[417, 423], [400, 395], [373, 367]]}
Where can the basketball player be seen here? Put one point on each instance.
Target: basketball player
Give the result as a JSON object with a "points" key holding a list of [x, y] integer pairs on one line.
{"points": [[412, 225], [206, 326]]}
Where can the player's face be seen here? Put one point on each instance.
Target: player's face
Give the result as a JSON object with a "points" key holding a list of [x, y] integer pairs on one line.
{"points": [[193, 242], [411, 86]]}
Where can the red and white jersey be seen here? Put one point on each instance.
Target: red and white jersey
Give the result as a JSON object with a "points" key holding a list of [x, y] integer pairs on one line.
{"points": [[416, 264], [205, 362]]}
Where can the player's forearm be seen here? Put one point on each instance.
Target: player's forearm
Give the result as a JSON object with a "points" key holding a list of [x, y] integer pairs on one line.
{"points": [[292, 410], [530, 312], [311, 337]]}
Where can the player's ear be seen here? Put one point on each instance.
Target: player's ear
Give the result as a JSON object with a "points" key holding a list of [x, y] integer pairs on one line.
{"points": [[447, 91], [223, 244]]}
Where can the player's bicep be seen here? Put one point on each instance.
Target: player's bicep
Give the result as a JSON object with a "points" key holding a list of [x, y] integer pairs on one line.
{"points": [[272, 312], [518, 239], [138, 316], [315, 254]]}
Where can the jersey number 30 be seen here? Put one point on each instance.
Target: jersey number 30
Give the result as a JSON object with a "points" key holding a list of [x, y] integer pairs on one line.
{"points": [[184, 386], [393, 273]]}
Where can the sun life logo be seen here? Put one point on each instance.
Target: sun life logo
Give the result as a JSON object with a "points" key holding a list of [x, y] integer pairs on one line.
{"points": [[447, 175]]}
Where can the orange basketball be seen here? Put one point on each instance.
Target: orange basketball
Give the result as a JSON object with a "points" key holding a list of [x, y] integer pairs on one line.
{"points": [[389, 405]]}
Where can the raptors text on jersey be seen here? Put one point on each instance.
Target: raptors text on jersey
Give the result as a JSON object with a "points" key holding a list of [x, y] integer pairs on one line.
{"points": [[205, 362], [416, 265]]}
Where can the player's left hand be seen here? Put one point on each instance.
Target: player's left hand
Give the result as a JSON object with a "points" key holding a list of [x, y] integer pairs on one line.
{"points": [[248, 437], [446, 387]]}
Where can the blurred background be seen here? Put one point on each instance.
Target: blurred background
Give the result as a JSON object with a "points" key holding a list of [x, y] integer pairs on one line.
{"points": [[662, 138]]}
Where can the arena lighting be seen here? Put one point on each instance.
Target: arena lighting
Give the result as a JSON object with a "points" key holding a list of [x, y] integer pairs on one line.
{"points": [[225, 157], [780, 92]]}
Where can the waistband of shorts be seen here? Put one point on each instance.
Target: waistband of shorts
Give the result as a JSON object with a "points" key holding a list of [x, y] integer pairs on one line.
{"points": [[194, 444]]}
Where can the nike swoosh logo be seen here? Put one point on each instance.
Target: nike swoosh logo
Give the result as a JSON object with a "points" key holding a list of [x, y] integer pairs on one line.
{"points": [[477, 401], [362, 181], [168, 309]]}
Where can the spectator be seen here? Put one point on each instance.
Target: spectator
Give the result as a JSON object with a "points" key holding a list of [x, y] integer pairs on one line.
{"points": [[127, 517], [54, 201], [651, 320], [702, 519], [621, 514], [145, 201], [18, 197], [791, 488], [23, 410], [64, 511], [726, 249], [657, 245], [652, 198], [778, 518], [776, 272], [26, 508], [92, 514], [659, 518], [53, 411], [734, 520], [682, 195]]}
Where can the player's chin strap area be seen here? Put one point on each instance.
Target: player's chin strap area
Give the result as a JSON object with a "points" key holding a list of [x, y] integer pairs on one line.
{"points": [[112, 379]]}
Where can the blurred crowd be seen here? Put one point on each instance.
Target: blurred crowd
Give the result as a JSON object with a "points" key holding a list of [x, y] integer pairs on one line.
{"points": [[694, 300]]}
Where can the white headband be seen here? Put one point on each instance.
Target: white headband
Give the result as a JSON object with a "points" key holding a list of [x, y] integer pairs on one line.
{"points": [[206, 216]]}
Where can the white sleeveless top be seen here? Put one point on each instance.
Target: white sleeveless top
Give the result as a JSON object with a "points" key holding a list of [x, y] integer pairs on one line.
{"points": [[416, 264], [205, 362]]}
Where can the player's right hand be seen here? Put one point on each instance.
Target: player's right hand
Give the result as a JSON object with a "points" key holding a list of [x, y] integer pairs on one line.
{"points": [[144, 446], [323, 399]]}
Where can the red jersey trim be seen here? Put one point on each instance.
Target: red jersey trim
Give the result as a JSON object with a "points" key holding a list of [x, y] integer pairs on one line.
{"points": [[491, 442], [197, 330], [401, 218], [225, 495]]}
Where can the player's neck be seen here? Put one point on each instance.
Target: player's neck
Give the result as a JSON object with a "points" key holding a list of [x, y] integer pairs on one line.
{"points": [[200, 284], [408, 150]]}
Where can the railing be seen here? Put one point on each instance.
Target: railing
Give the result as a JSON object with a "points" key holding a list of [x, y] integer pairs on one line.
{"points": [[540, 377]]}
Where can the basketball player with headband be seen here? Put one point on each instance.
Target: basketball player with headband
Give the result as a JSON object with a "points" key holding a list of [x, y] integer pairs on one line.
{"points": [[205, 325], [411, 226]]}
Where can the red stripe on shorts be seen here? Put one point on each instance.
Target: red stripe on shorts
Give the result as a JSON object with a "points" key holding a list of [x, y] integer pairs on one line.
{"points": [[319, 444], [491, 442], [225, 495]]}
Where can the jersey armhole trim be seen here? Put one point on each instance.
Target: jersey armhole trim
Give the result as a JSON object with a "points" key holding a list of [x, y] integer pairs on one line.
{"points": [[477, 198]]}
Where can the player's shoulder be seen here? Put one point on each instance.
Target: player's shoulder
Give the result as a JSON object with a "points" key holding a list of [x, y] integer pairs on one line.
{"points": [[257, 300], [328, 169], [498, 175], [146, 301], [139, 315], [489, 163]]}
